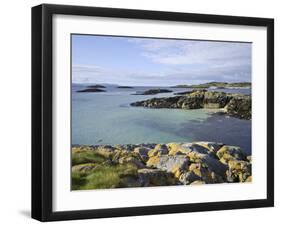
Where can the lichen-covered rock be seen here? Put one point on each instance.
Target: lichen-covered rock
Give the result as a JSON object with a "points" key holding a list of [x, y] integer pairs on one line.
{"points": [[211, 146], [132, 160], [119, 154], [155, 177], [159, 149], [142, 152], [206, 158], [206, 173], [126, 147], [227, 153], [238, 171], [159, 164], [214, 165], [169, 163], [188, 177], [175, 149]]}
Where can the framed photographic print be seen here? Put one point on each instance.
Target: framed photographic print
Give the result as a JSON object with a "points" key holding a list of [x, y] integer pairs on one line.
{"points": [[145, 112]]}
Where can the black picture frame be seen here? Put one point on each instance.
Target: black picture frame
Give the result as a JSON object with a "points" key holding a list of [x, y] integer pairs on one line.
{"points": [[42, 197]]}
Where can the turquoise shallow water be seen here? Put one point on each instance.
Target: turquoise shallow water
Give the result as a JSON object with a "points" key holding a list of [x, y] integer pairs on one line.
{"points": [[107, 118]]}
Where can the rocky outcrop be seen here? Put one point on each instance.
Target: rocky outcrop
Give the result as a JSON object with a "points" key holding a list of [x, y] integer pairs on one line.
{"points": [[235, 105], [91, 90], [160, 164], [153, 92]]}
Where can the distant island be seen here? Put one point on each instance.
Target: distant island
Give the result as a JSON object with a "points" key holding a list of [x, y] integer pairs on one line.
{"points": [[217, 85], [153, 92], [91, 90], [125, 87], [96, 86]]}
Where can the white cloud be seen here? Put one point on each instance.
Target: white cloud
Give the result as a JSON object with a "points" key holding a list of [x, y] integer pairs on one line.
{"points": [[199, 60], [180, 61], [187, 52]]}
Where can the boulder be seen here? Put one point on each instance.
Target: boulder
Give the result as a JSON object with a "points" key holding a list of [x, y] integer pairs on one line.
{"points": [[211, 146], [174, 164], [227, 153], [84, 168], [214, 165], [126, 147], [142, 152], [175, 149], [238, 171], [188, 177], [206, 173], [188, 148], [159, 149], [132, 160], [155, 177]]}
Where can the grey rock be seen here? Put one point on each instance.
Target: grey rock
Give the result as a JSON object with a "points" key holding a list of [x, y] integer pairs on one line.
{"points": [[171, 163]]}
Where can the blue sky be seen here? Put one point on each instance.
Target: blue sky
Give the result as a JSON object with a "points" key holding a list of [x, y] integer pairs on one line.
{"points": [[161, 62]]}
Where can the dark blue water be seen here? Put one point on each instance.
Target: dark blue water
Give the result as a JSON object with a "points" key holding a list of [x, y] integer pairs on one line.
{"points": [[107, 118]]}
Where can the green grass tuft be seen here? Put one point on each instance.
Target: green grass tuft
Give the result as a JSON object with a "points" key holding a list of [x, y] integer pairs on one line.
{"points": [[103, 176], [87, 157]]}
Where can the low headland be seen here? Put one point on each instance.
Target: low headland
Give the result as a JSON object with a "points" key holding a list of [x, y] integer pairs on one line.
{"points": [[235, 105], [219, 85], [144, 165]]}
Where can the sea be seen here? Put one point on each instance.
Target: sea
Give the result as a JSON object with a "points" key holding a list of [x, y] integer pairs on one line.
{"points": [[107, 118]]}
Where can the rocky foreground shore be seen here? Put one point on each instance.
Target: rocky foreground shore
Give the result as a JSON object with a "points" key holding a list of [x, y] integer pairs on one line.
{"points": [[235, 105], [144, 165]]}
